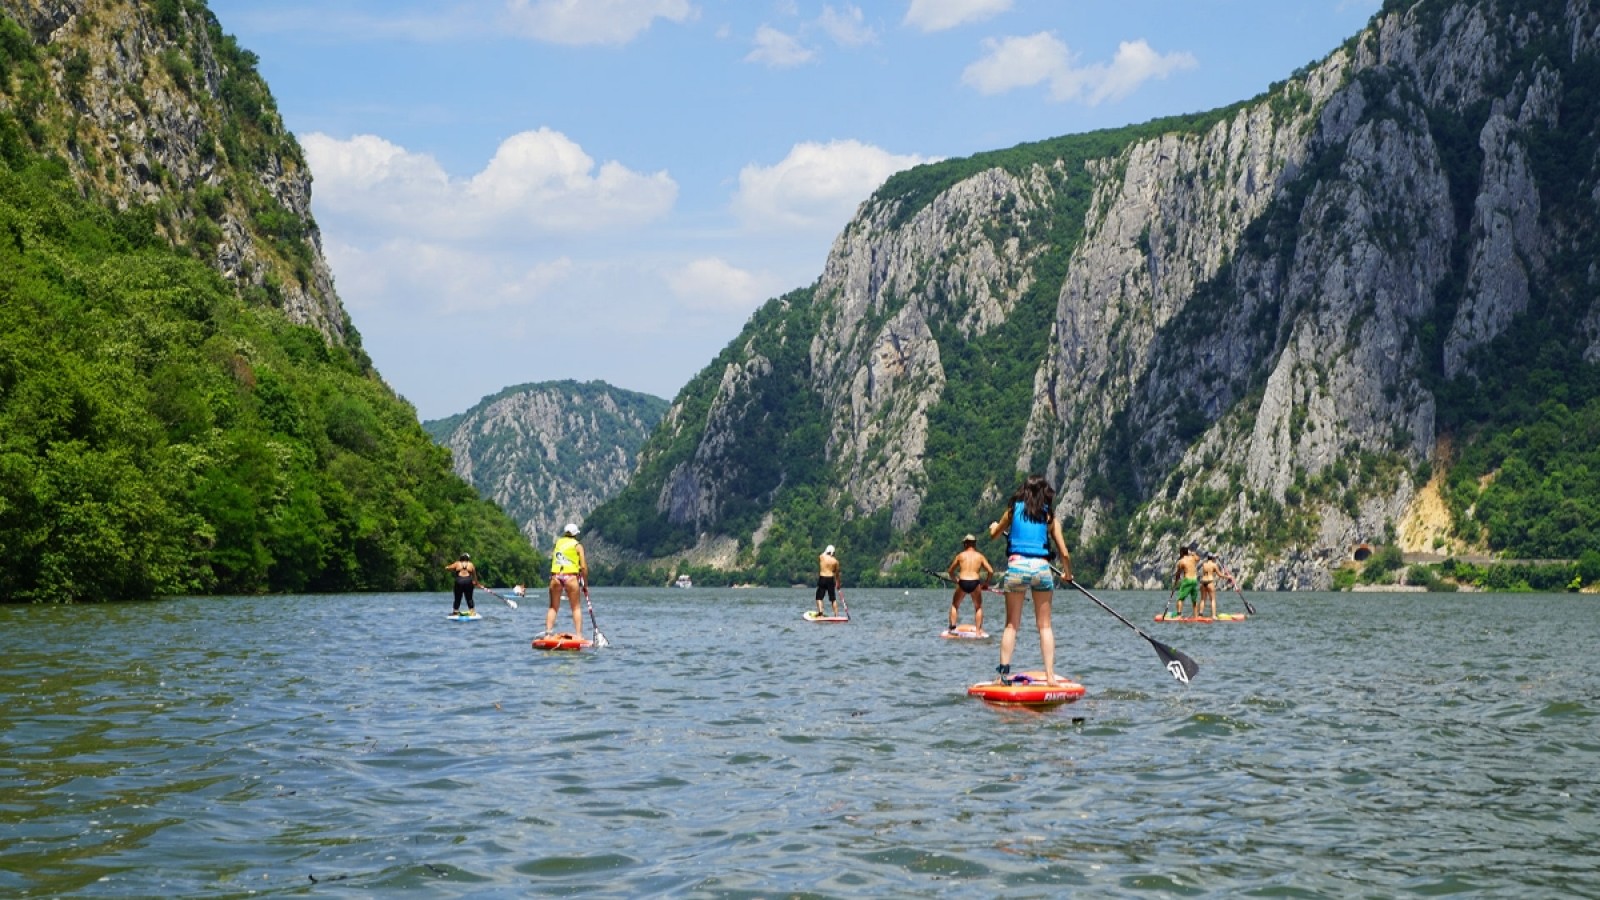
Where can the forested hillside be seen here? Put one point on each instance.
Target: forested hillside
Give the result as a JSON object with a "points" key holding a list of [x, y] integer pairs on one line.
{"points": [[1284, 330], [549, 453], [183, 406]]}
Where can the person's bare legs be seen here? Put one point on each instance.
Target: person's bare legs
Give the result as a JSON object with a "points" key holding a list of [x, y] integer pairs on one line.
{"points": [[1047, 634], [1008, 638], [555, 604], [577, 608]]}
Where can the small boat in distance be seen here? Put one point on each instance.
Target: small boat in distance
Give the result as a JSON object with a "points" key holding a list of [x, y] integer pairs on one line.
{"points": [[683, 582]]}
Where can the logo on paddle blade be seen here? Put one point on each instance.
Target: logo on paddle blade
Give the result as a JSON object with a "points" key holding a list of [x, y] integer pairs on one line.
{"points": [[1176, 668]]}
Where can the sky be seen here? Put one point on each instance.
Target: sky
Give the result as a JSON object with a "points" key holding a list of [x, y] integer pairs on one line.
{"points": [[516, 191]]}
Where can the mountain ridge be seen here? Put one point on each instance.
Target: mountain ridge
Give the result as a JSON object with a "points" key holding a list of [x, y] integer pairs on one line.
{"points": [[1248, 328], [184, 406], [549, 452]]}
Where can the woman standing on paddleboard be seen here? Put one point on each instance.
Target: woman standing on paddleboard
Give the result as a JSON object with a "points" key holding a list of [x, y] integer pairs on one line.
{"points": [[569, 572], [1031, 528], [466, 577]]}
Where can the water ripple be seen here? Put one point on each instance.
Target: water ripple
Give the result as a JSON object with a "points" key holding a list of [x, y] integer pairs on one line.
{"points": [[351, 745]]}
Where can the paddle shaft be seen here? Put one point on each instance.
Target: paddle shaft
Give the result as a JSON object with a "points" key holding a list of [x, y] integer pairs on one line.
{"points": [[599, 639], [1234, 583], [1179, 665], [508, 602]]}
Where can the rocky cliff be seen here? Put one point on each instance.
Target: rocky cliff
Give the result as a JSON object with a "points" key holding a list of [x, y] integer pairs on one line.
{"points": [[1232, 328], [167, 114], [549, 453], [184, 408]]}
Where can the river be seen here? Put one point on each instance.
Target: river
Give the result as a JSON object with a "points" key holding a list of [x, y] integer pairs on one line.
{"points": [[1336, 745]]}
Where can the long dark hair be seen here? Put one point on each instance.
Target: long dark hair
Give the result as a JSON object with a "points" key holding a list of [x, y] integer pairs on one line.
{"points": [[1038, 498]]}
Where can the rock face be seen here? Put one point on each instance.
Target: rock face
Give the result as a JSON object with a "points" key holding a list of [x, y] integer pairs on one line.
{"points": [[170, 114], [549, 453], [1249, 313]]}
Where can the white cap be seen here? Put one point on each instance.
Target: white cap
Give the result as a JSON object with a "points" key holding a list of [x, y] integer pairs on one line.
{"points": [[570, 529], [829, 550]]}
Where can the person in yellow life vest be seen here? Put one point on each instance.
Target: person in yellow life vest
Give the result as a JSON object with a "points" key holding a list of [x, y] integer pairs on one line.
{"points": [[569, 572]]}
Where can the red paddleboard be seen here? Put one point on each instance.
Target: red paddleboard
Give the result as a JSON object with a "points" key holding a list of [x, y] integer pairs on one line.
{"points": [[1028, 689], [562, 641], [969, 632]]}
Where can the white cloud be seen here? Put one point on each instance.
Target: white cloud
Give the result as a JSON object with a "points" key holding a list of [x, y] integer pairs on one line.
{"points": [[847, 27], [1135, 63], [714, 285], [592, 21], [815, 187], [778, 50], [938, 15], [1016, 62], [538, 181], [415, 278]]}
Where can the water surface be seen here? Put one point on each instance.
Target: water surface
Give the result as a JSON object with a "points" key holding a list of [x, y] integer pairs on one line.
{"points": [[1337, 745]]}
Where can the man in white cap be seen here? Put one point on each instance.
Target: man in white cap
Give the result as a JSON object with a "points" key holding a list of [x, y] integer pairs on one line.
{"points": [[569, 572], [828, 580]]}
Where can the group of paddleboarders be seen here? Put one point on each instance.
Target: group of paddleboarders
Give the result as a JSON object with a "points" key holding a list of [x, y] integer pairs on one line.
{"points": [[1037, 558], [1034, 545], [1196, 581], [569, 573]]}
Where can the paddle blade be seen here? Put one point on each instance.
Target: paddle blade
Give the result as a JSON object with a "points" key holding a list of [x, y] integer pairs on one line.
{"points": [[1178, 664], [511, 602], [600, 639]]}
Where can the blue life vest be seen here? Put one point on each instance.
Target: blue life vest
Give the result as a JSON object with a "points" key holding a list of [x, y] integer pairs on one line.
{"points": [[1028, 538]]}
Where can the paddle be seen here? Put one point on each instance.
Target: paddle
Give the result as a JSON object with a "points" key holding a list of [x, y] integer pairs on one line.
{"points": [[599, 639], [840, 589], [1247, 607], [1234, 583], [1167, 607], [1178, 665], [509, 602]]}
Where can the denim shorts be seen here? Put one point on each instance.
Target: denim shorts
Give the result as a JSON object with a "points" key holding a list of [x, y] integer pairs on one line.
{"points": [[1027, 573]]}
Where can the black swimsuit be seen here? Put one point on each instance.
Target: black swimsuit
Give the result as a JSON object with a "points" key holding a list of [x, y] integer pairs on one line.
{"points": [[463, 589], [828, 584]]}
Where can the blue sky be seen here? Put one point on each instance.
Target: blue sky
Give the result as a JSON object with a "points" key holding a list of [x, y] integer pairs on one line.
{"points": [[513, 191]]}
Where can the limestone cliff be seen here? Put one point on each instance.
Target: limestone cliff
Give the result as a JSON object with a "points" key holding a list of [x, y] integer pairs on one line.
{"points": [[549, 453], [1231, 328], [168, 114], [184, 408]]}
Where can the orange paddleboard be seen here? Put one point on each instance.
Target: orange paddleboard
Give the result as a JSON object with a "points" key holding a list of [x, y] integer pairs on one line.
{"points": [[1028, 689], [562, 641]]}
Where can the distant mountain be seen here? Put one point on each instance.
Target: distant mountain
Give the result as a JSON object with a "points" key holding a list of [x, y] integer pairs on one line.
{"points": [[184, 404], [548, 453], [1360, 308]]}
